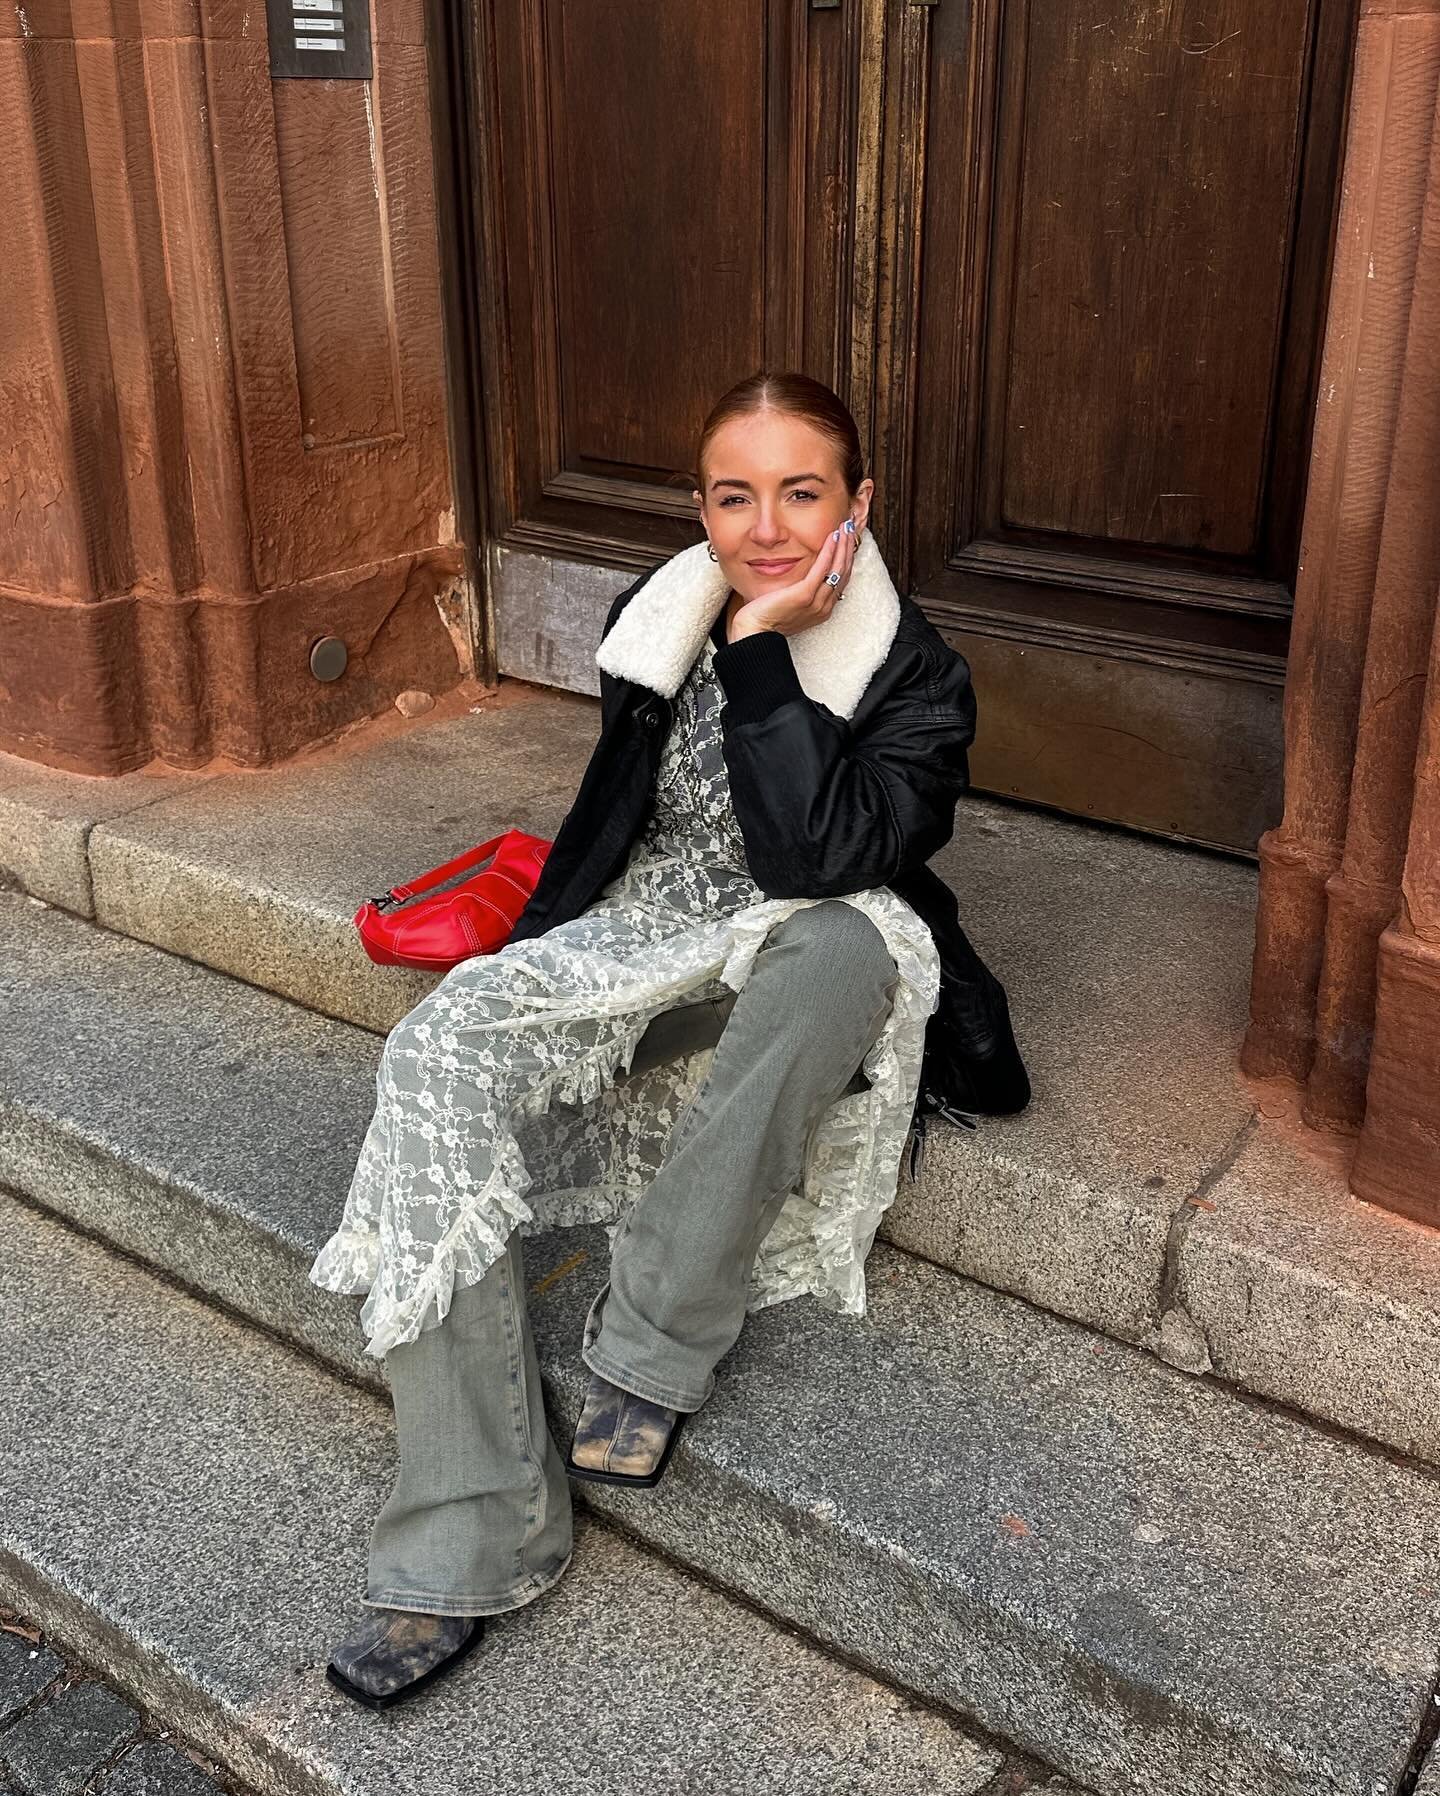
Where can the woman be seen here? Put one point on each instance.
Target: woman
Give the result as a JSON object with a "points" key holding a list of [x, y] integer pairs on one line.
{"points": [[732, 992]]}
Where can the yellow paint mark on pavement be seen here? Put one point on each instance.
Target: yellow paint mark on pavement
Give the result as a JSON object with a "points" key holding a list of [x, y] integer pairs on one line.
{"points": [[550, 1278]]}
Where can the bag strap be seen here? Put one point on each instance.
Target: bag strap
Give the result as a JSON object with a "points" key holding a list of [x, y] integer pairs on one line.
{"points": [[437, 876]]}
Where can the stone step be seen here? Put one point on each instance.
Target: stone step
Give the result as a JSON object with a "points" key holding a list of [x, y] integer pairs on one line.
{"points": [[1139, 1577], [184, 1504], [1127, 963]]}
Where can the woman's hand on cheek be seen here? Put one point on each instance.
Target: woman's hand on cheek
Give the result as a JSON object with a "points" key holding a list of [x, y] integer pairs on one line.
{"points": [[807, 601]]}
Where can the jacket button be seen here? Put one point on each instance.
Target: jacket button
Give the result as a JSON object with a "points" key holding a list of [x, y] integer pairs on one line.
{"points": [[652, 719]]}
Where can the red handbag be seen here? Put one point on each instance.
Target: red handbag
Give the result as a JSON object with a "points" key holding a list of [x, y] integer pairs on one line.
{"points": [[474, 917]]}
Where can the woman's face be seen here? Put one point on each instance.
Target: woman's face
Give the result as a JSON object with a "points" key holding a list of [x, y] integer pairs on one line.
{"points": [[773, 493]]}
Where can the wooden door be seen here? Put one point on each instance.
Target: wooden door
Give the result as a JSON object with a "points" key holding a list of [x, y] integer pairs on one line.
{"points": [[1067, 265], [1127, 229]]}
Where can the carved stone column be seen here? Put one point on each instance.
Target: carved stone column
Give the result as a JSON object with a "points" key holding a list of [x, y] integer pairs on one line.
{"points": [[1397, 1162], [1358, 704], [223, 388]]}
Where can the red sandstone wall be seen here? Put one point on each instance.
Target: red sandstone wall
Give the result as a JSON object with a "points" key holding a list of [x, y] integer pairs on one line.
{"points": [[221, 386]]}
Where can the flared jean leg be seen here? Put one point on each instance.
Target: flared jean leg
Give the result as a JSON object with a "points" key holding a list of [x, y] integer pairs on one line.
{"points": [[479, 1520], [817, 995]]}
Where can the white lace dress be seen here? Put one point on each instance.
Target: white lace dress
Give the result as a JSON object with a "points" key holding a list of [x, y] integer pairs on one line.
{"points": [[504, 1098]]}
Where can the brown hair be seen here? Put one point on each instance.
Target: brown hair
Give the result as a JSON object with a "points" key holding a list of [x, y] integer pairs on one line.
{"points": [[797, 396]]}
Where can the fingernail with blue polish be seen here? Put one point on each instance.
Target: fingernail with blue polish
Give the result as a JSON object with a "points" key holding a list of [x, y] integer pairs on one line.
{"points": [[850, 525]]}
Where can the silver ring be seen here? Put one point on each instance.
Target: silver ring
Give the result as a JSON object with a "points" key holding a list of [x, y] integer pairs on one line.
{"points": [[832, 579]]}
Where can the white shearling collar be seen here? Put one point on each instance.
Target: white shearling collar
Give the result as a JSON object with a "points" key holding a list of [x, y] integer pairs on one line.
{"points": [[663, 628]]}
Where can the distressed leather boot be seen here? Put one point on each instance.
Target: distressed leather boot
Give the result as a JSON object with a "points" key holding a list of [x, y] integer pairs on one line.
{"points": [[621, 1438], [396, 1652]]}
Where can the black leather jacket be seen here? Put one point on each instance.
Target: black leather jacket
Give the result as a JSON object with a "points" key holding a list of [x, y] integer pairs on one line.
{"points": [[825, 807]]}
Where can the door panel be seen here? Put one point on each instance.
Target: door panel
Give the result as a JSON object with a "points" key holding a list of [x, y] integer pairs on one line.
{"points": [[1145, 192], [674, 190], [656, 228], [1127, 225]]}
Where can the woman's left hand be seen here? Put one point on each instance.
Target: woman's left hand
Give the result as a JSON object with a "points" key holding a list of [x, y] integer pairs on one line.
{"points": [[807, 601]]}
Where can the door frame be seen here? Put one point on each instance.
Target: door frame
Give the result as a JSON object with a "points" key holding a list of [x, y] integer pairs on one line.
{"points": [[454, 59]]}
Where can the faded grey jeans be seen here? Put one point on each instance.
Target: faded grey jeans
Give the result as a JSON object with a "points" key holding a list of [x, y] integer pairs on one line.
{"points": [[479, 1520]]}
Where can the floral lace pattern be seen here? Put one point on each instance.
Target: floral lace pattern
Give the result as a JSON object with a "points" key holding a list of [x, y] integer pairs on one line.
{"points": [[504, 1099]]}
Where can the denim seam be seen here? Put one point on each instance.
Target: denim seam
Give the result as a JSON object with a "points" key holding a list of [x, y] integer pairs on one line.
{"points": [[677, 1134], [520, 1411]]}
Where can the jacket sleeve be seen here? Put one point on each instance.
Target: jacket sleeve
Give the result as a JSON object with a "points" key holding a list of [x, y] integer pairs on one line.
{"points": [[825, 810]]}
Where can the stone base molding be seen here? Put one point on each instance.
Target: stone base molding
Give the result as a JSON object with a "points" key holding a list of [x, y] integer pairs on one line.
{"points": [[108, 687]]}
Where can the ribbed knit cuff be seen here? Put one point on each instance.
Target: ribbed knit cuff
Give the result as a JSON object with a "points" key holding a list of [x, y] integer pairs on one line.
{"points": [[757, 674]]}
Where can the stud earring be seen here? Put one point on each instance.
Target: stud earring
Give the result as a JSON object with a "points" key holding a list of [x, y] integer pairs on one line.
{"points": [[711, 548]]}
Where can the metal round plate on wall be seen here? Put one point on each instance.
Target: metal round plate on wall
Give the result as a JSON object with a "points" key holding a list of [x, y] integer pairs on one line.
{"points": [[328, 658]]}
